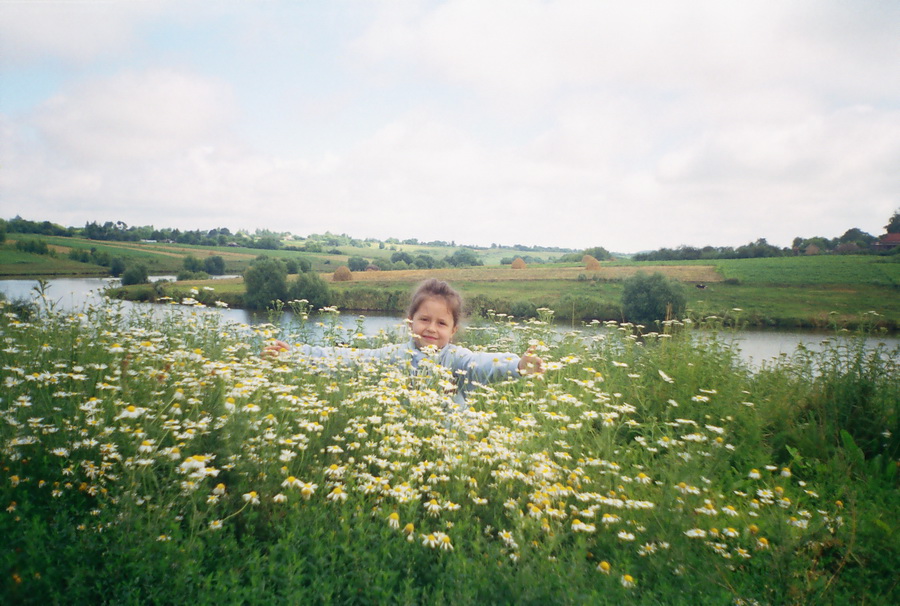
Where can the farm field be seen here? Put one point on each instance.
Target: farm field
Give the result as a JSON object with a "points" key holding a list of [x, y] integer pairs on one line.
{"points": [[814, 270], [808, 292], [164, 460], [684, 273], [166, 258]]}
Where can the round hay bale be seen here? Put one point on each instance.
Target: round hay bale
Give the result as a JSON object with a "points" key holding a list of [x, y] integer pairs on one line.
{"points": [[342, 274]]}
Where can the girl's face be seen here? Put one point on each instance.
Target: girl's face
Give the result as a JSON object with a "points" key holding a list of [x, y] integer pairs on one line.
{"points": [[432, 323]]}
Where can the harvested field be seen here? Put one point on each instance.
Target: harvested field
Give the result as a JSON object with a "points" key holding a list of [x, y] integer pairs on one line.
{"points": [[173, 250], [683, 273]]}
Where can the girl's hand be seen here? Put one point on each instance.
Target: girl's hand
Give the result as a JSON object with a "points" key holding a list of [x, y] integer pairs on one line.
{"points": [[273, 349], [530, 364]]}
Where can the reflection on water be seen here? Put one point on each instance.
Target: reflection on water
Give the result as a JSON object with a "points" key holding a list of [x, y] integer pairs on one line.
{"points": [[756, 347]]}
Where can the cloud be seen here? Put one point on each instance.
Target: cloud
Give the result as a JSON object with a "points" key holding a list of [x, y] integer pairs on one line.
{"points": [[566, 122], [70, 32], [135, 116], [514, 47]]}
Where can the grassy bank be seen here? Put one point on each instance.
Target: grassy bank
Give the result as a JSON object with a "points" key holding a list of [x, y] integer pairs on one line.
{"points": [[165, 461]]}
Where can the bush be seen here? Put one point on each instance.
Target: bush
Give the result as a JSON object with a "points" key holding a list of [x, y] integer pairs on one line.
{"points": [[37, 247], [214, 266], [191, 263], [265, 281], [311, 287], [523, 309], [650, 298], [357, 264], [136, 274], [191, 275], [116, 267], [583, 308]]}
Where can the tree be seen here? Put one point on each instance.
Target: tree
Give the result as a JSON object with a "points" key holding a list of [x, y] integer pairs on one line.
{"points": [[357, 264], [424, 261], [136, 274], [650, 298], [463, 258], [265, 281], [116, 266], [893, 225], [598, 252], [214, 266], [192, 263], [311, 287], [402, 256]]}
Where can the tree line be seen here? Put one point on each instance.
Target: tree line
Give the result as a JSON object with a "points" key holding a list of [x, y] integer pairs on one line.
{"points": [[854, 241]]}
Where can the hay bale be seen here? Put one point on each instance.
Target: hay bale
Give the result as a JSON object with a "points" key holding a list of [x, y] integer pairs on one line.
{"points": [[342, 274], [519, 263], [590, 262]]}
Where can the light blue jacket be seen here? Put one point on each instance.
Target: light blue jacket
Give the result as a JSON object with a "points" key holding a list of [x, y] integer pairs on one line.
{"points": [[470, 368]]}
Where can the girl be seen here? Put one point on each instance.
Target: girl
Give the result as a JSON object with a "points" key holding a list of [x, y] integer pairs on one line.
{"points": [[434, 317]]}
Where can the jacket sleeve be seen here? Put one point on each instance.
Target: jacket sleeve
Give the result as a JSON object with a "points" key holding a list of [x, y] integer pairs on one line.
{"points": [[483, 367], [333, 357]]}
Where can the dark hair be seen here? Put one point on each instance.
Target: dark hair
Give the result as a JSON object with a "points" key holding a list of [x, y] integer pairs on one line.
{"points": [[434, 288]]}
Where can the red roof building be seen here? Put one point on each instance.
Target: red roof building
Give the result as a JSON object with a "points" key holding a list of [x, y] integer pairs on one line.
{"points": [[888, 241]]}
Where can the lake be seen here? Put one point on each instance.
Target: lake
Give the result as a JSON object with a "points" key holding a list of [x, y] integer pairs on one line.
{"points": [[756, 346]]}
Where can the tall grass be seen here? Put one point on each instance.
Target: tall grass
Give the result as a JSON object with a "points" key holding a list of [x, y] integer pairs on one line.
{"points": [[149, 460]]}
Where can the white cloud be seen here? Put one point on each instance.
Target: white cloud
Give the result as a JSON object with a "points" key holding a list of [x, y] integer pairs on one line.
{"points": [[70, 31], [566, 122], [135, 116]]}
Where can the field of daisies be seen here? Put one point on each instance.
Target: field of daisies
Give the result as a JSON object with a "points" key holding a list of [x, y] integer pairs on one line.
{"points": [[151, 457]]}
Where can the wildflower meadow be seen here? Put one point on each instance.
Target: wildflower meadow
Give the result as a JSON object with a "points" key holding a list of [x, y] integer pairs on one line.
{"points": [[151, 457]]}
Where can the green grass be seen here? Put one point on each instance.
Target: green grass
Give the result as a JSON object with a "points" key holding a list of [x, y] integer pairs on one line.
{"points": [[14, 263], [672, 436], [815, 270]]}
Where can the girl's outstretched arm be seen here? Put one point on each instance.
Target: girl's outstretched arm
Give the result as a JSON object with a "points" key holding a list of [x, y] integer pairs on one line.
{"points": [[273, 349], [530, 363]]}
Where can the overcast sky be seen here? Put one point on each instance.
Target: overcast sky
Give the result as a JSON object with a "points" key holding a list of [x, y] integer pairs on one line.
{"points": [[629, 125]]}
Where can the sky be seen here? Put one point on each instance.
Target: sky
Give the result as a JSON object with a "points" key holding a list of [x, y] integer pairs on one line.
{"points": [[573, 123]]}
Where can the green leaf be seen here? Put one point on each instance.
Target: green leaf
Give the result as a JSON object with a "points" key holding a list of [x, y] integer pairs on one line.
{"points": [[853, 451]]}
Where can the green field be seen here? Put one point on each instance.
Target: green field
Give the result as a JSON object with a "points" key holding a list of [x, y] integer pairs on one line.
{"points": [[814, 270], [166, 258]]}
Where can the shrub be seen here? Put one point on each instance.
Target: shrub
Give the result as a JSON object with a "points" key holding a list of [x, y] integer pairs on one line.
{"points": [[650, 298], [116, 267], [357, 264], [265, 281], [192, 263], [136, 274], [311, 287], [523, 309], [214, 266], [342, 274]]}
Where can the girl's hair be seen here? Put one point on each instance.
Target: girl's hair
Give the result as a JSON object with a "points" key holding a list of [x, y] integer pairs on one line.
{"points": [[434, 288]]}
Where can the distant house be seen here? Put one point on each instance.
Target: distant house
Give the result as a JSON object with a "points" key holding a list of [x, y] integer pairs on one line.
{"points": [[888, 242]]}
